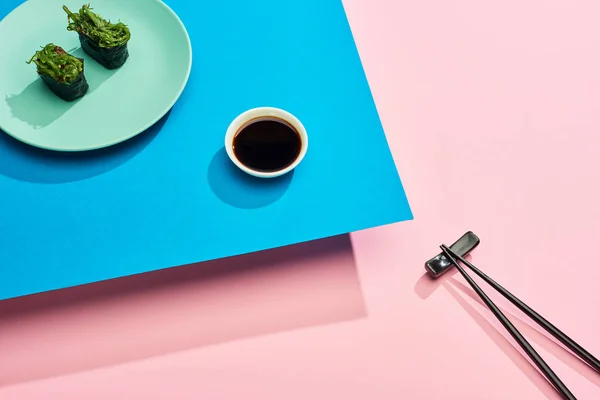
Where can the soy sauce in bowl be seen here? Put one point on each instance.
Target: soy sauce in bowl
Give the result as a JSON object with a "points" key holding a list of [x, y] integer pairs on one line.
{"points": [[267, 144]]}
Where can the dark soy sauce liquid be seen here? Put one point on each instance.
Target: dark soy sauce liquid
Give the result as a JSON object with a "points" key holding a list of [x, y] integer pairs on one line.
{"points": [[267, 144]]}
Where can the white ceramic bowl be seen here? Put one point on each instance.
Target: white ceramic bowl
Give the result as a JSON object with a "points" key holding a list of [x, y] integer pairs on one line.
{"points": [[259, 112]]}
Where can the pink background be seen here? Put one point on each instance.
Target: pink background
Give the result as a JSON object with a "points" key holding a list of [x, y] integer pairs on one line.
{"points": [[492, 109]]}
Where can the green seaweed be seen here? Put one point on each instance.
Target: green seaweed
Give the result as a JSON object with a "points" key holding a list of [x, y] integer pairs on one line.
{"points": [[55, 62], [99, 30]]}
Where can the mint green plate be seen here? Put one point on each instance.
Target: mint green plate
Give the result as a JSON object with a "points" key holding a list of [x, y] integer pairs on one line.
{"points": [[120, 103]]}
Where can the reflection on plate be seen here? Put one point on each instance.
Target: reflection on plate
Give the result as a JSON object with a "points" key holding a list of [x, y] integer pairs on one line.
{"points": [[120, 103]]}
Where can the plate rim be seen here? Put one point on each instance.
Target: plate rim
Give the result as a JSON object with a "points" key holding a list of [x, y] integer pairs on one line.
{"points": [[138, 131]]}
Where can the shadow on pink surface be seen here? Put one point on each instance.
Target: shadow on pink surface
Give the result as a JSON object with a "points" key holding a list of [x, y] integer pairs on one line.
{"points": [[425, 286], [142, 316], [536, 335]]}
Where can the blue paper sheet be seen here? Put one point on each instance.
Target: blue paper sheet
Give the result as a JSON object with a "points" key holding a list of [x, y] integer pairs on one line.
{"points": [[171, 197]]}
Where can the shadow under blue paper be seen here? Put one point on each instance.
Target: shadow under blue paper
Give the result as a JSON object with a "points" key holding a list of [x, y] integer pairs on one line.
{"points": [[241, 190], [31, 164], [191, 299]]}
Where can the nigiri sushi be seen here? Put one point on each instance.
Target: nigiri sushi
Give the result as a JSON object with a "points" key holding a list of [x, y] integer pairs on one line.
{"points": [[61, 72], [104, 41]]}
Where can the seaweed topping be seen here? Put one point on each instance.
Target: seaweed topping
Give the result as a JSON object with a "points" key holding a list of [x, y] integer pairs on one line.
{"points": [[55, 62], [99, 30]]}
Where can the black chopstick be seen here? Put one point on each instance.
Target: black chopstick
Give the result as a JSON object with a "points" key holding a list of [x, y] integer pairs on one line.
{"points": [[535, 357], [543, 322]]}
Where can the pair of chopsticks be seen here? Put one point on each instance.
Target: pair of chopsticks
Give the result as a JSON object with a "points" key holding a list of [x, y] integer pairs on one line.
{"points": [[554, 331]]}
